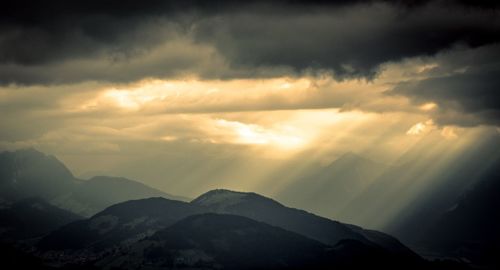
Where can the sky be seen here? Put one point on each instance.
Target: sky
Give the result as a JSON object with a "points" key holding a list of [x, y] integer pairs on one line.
{"points": [[191, 95]]}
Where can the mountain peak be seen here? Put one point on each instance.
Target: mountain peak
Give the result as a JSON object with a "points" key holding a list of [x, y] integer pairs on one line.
{"points": [[221, 199], [28, 172], [219, 196], [28, 150]]}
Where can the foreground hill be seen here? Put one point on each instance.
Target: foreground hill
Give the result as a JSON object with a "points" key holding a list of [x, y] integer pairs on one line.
{"points": [[122, 226], [119, 224], [263, 209], [30, 218], [216, 241]]}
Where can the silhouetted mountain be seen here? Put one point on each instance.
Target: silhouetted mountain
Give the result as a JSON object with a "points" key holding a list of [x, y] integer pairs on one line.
{"points": [[30, 173], [220, 228], [120, 223], [263, 209], [454, 177], [12, 258], [31, 217], [470, 230], [456, 218], [123, 224], [158, 232], [402, 199], [219, 241]]}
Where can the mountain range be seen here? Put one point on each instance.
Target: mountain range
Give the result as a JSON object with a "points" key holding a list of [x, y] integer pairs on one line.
{"points": [[452, 216], [29, 173], [116, 223]]}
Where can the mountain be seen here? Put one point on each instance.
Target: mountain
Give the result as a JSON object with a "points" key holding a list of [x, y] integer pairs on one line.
{"points": [[470, 229], [29, 173], [124, 222], [220, 228], [402, 198], [266, 210], [220, 241], [30, 218], [93, 195], [410, 196], [158, 233], [334, 185], [456, 217]]}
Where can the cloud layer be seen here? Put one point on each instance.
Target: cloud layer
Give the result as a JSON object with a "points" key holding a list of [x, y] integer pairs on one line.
{"points": [[97, 82], [61, 42]]}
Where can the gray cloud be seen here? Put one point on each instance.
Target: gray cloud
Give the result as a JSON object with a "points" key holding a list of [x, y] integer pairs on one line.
{"points": [[61, 42], [351, 41], [465, 84]]}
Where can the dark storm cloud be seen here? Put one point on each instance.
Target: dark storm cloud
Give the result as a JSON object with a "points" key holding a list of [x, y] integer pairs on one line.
{"points": [[474, 94], [40, 39], [36, 32], [465, 84], [351, 40]]}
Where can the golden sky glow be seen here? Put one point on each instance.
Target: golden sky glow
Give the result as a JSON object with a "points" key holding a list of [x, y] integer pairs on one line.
{"points": [[280, 113], [246, 134], [286, 137], [259, 96]]}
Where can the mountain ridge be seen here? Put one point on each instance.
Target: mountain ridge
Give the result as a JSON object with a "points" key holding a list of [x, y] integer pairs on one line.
{"points": [[28, 173], [267, 210]]}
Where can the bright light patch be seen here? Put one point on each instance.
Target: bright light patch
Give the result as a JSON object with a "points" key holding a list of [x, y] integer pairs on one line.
{"points": [[420, 128], [169, 138], [449, 133], [428, 106], [123, 99], [258, 135], [427, 67], [135, 98], [193, 95]]}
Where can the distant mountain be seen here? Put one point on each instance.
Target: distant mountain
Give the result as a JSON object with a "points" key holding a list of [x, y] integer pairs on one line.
{"points": [[402, 198], [457, 218], [94, 195], [334, 185], [124, 222], [30, 218], [29, 173], [219, 241], [407, 199], [263, 209]]}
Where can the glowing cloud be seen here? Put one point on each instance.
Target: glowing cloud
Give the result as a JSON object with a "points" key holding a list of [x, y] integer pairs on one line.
{"points": [[449, 133], [428, 106], [258, 135], [421, 127]]}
